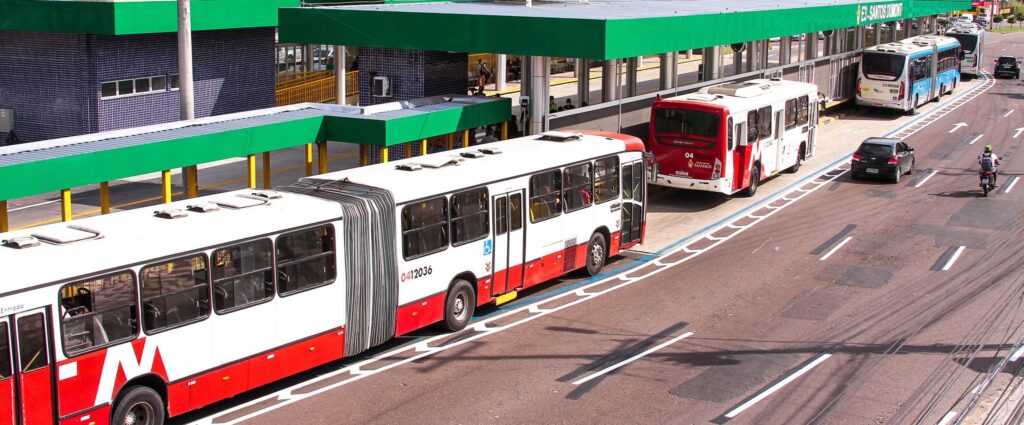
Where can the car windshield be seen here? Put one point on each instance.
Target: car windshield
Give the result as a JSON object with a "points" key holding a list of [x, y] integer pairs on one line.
{"points": [[1005, 60], [871, 149], [685, 121], [881, 66], [967, 41]]}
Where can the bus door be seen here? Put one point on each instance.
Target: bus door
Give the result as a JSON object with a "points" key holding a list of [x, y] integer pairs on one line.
{"points": [[7, 402], [633, 200], [781, 148], [34, 399], [509, 242], [933, 70]]}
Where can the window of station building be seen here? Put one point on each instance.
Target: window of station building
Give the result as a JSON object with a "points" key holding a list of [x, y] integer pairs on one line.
{"points": [[305, 259], [174, 292], [606, 179], [545, 195], [424, 228], [577, 193], [242, 275], [469, 216], [98, 312], [174, 82], [134, 86], [5, 352]]}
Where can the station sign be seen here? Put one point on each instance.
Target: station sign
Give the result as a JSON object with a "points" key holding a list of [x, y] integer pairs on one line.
{"points": [[879, 12]]}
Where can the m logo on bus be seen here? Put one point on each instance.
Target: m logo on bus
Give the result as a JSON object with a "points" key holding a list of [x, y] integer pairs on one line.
{"points": [[126, 361]]}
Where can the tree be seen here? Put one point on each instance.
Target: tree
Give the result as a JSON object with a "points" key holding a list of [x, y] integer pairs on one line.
{"points": [[1019, 16], [1012, 20], [997, 19], [942, 22]]}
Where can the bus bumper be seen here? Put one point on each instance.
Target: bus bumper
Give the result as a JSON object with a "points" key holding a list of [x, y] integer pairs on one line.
{"points": [[718, 185], [880, 103]]}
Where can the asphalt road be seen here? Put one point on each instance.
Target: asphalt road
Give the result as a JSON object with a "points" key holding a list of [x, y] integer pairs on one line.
{"points": [[858, 302]]}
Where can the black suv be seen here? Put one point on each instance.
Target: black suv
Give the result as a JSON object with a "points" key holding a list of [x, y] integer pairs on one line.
{"points": [[1007, 65], [882, 157]]}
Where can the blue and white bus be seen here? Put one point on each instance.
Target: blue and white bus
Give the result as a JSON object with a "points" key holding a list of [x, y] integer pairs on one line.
{"points": [[909, 73], [972, 42]]}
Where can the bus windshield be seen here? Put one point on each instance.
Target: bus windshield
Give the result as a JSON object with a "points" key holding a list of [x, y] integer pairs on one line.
{"points": [[881, 66], [689, 122], [967, 41]]}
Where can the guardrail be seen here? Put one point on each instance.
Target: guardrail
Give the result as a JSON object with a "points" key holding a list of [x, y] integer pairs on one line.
{"points": [[288, 79], [319, 90]]}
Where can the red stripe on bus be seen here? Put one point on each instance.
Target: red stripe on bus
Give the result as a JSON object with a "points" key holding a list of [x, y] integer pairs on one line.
{"points": [[36, 397], [7, 402], [421, 313], [97, 416]]}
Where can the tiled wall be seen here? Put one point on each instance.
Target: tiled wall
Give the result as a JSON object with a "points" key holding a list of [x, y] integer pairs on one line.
{"points": [[413, 74], [53, 80]]}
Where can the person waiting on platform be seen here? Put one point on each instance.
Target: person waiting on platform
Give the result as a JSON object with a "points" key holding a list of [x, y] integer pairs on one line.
{"points": [[551, 104], [568, 104], [489, 136]]}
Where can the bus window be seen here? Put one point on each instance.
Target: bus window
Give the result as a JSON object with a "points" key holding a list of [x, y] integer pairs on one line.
{"points": [[577, 187], [98, 312], [305, 259], [728, 138], [882, 66], [32, 349], [174, 292], [685, 121], [470, 216], [791, 113], [515, 211], [606, 179], [764, 122], [5, 352], [424, 228], [752, 127], [242, 275], [802, 106], [545, 195], [500, 216]]}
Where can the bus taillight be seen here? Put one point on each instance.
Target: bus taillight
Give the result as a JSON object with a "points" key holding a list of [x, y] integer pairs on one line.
{"points": [[858, 86], [903, 90]]}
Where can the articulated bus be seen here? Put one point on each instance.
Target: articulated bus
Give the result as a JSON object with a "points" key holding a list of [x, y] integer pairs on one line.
{"points": [[132, 317], [972, 43], [906, 74], [728, 138]]}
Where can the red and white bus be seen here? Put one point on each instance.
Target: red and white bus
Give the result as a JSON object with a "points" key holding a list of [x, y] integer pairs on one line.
{"points": [[728, 138], [136, 316]]}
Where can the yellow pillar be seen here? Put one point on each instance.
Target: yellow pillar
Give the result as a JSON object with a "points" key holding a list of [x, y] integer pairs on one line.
{"points": [[408, 150], [309, 159], [384, 154], [4, 226], [266, 171], [321, 156], [504, 130], [362, 156], [451, 141], [423, 147], [251, 159], [166, 186], [192, 181], [104, 198], [65, 205], [465, 138]]}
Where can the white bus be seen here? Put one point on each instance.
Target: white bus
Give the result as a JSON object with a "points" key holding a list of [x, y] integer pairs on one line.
{"points": [[909, 73], [136, 316], [972, 43], [728, 138]]}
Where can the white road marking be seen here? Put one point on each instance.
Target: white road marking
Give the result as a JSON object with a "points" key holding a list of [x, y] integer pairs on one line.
{"points": [[926, 178], [776, 387], [632, 359], [1009, 186], [975, 139], [1017, 354], [1016, 132], [1008, 113], [33, 205], [952, 259], [833, 250], [957, 126], [945, 419]]}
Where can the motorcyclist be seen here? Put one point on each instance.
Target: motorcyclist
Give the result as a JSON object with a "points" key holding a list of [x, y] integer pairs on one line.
{"points": [[989, 161]]}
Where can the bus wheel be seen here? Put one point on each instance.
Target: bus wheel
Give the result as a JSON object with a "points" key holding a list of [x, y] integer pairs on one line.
{"points": [[755, 177], [459, 306], [597, 253], [799, 160], [140, 406], [913, 107]]}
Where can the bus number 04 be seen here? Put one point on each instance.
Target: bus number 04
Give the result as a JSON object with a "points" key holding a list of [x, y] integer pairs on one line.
{"points": [[417, 273], [688, 155]]}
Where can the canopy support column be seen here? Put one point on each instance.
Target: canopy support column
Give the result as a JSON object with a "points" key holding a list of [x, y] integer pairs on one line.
{"points": [[104, 198], [632, 68], [582, 83], [711, 59], [540, 81], [309, 159], [665, 79], [340, 76], [321, 156], [785, 50], [4, 225], [500, 73], [267, 184], [65, 204], [608, 79], [811, 46], [251, 175]]}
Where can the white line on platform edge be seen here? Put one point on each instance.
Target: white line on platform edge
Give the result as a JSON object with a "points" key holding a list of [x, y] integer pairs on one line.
{"points": [[33, 205], [778, 386], [949, 416], [1009, 187], [934, 172], [976, 139], [952, 259], [833, 250], [632, 359]]}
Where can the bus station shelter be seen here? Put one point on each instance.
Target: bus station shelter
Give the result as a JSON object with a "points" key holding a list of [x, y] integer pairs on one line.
{"points": [[61, 164]]}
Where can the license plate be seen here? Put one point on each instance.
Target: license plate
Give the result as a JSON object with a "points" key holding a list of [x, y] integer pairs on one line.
{"points": [[872, 170], [984, 180]]}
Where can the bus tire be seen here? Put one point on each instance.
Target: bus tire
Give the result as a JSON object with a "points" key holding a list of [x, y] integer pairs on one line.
{"points": [[799, 159], [597, 254], [459, 306], [913, 106], [139, 406], [755, 179]]}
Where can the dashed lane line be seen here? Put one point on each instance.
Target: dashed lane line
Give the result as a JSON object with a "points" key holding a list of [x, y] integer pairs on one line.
{"points": [[1008, 113], [632, 359], [764, 394], [925, 178], [1009, 186], [975, 139], [946, 419], [952, 258], [833, 250]]}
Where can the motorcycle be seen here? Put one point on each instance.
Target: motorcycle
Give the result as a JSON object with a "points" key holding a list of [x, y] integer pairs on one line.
{"points": [[987, 182]]}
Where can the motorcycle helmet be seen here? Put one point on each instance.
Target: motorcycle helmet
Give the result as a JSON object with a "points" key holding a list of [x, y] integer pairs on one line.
{"points": [[988, 148]]}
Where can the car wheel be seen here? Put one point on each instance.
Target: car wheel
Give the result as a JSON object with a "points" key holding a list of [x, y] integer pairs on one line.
{"points": [[911, 169], [755, 177], [896, 176], [597, 254], [459, 306]]}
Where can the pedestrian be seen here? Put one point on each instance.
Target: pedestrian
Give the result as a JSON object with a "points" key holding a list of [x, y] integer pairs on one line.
{"points": [[437, 145], [513, 127], [568, 104], [489, 136], [552, 105], [483, 73]]}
